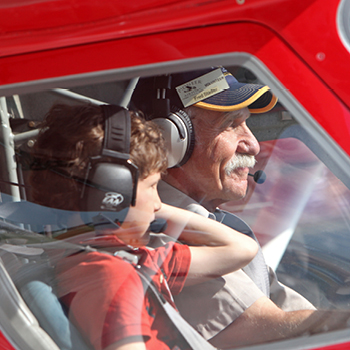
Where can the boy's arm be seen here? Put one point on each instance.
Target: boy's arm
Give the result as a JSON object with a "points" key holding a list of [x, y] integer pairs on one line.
{"points": [[217, 249]]}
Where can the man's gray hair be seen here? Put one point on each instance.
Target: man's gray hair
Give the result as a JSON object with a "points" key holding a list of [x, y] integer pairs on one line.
{"points": [[192, 111]]}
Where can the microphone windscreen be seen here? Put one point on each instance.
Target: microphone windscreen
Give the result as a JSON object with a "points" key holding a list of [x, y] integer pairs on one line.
{"points": [[259, 177]]}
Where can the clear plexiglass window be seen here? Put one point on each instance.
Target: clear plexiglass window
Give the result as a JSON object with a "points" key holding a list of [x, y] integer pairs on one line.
{"points": [[300, 214]]}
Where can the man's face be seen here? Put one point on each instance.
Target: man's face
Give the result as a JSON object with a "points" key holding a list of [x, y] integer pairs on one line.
{"points": [[220, 137]]}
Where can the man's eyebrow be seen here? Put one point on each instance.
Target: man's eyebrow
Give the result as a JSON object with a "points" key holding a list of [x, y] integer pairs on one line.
{"points": [[229, 117], [237, 114]]}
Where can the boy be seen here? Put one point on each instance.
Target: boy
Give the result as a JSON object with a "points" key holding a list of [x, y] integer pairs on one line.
{"points": [[104, 293]]}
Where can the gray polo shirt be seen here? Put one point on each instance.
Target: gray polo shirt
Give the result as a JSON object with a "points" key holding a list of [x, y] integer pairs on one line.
{"points": [[211, 306]]}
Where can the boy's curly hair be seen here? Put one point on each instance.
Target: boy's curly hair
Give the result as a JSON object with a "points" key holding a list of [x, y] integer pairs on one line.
{"points": [[69, 136]]}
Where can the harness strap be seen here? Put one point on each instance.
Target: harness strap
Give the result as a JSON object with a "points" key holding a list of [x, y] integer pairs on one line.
{"points": [[191, 336]]}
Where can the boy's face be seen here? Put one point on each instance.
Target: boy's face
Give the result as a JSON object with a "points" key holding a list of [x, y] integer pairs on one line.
{"points": [[134, 230]]}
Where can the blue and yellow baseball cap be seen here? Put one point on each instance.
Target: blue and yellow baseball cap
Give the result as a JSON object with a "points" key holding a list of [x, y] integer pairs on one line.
{"points": [[213, 88]]}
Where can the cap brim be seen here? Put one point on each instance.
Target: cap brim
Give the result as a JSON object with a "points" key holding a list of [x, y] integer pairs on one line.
{"points": [[258, 98]]}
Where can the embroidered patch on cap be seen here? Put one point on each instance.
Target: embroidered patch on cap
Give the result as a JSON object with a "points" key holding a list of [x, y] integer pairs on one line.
{"points": [[202, 87]]}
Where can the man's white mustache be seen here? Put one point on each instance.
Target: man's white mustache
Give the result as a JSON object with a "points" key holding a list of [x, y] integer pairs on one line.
{"points": [[240, 161]]}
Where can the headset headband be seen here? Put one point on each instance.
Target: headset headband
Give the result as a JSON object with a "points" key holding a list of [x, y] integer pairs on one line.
{"points": [[117, 131]]}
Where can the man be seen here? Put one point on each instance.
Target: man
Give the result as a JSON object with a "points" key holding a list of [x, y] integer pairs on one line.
{"points": [[248, 306]]}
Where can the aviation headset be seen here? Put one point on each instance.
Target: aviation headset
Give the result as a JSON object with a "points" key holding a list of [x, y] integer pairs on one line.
{"points": [[111, 179], [175, 123]]}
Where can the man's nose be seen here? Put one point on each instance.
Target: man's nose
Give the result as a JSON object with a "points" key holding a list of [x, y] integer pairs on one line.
{"points": [[248, 143]]}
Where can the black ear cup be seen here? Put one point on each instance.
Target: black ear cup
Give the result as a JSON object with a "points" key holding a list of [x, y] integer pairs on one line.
{"points": [[178, 133], [109, 187]]}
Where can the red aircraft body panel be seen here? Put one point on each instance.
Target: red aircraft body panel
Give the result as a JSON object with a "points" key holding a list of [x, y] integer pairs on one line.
{"points": [[297, 40]]}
